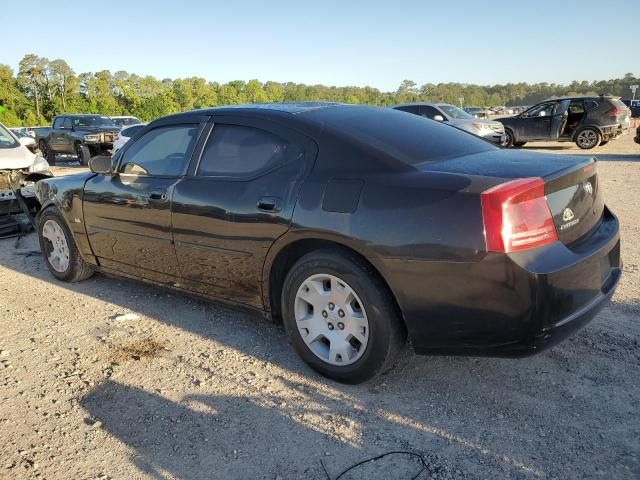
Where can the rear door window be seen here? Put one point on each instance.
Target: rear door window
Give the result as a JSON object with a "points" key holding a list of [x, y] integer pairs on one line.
{"points": [[242, 151]]}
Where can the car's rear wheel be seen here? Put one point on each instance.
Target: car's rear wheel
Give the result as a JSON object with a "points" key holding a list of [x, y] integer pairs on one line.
{"points": [[59, 249], [508, 139], [83, 153], [588, 138], [340, 317]]}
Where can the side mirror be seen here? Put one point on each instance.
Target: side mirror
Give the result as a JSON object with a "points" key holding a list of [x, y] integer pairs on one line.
{"points": [[438, 118], [101, 164], [27, 141]]}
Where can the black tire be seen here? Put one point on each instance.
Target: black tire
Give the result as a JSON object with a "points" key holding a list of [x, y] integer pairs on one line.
{"points": [[42, 146], [604, 142], [83, 153], [520, 144], [508, 141], [51, 156], [77, 268], [386, 330], [588, 138]]}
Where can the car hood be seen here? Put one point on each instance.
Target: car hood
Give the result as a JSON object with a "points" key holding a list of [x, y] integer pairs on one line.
{"points": [[99, 129], [16, 158]]}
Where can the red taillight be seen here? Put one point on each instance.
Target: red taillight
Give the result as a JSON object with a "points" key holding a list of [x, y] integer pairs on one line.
{"points": [[517, 216], [613, 112]]}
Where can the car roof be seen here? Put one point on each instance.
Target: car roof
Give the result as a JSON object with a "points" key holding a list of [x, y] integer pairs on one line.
{"points": [[81, 115], [578, 97], [259, 110], [421, 104]]}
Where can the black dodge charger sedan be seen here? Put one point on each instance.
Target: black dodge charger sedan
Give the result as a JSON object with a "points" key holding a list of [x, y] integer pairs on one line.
{"points": [[357, 226]]}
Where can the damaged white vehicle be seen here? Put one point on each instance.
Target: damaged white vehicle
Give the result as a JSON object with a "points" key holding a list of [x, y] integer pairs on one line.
{"points": [[19, 169]]}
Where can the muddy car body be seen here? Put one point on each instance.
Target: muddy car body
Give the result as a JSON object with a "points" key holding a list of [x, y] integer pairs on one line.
{"points": [[355, 225]]}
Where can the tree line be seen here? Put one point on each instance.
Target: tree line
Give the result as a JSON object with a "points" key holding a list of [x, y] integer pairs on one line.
{"points": [[43, 88]]}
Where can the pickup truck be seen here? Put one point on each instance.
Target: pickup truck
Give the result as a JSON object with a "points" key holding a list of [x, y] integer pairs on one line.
{"points": [[85, 135]]}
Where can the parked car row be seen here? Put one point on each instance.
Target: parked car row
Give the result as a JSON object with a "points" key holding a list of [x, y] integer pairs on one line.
{"points": [[356, 226]]}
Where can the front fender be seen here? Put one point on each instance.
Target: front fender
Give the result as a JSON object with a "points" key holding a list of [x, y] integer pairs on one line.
{"points": [[65, 194]]}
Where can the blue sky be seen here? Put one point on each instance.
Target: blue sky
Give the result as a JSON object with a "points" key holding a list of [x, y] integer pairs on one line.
{"points": [[334, 42]]}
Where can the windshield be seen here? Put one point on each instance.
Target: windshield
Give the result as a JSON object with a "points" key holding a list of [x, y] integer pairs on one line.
{"points": [[19, 133], [454, 112], [93, 122], [121, 122], [6, 139]]}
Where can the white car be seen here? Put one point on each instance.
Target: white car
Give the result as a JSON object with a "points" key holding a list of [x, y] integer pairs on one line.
{"points": [[125, 120], [125, 134], [16, 157]]}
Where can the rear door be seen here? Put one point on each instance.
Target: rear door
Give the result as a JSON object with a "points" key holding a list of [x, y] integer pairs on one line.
{"points": [[128, 214], [235, 203], [560, 117]]}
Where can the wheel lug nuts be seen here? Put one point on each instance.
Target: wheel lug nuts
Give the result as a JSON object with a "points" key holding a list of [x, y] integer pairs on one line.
{"points": [[330, 326], [331, 306], [341, 325], [325, 314], [341, 313]]}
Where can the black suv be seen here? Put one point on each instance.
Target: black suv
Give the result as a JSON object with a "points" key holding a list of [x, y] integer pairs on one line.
{"points": [[85, 135], [588, 121]]}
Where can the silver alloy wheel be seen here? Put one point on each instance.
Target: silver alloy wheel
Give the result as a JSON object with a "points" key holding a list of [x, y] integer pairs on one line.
{"points": [[508, 139], [59, 256], [331, 319], [587, 138]]}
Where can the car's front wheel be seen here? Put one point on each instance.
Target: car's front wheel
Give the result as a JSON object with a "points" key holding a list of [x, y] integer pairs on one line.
{"points": [[340, 317], [83, 153], [508, 139], [588, 138], [59, 248]]}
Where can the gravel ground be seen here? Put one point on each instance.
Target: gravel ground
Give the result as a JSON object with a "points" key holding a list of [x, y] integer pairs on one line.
{"points": [[114, 379]]}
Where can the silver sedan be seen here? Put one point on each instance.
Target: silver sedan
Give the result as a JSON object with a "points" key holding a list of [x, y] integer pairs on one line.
{"points": [[458, 118]]}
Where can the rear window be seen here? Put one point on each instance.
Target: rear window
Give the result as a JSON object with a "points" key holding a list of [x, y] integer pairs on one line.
{"points": [[409, 138]]}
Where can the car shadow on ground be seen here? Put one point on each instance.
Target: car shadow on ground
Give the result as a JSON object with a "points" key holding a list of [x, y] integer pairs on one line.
{"points": [[463, 414]]}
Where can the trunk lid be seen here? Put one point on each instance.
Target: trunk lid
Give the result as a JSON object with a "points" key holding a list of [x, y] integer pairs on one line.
{"points": [[575, 201], [571, 183]]}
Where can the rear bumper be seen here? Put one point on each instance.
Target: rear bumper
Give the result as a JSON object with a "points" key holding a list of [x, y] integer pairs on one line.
{"points": [[509, 305]]}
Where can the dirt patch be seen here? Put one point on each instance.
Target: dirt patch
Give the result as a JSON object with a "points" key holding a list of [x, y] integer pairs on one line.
{"points": [[137, 350]]}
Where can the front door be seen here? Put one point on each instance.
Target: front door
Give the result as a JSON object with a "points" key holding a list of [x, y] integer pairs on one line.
{"points": [[236, 203], [59, 136], [128, 214], [536, 122]]}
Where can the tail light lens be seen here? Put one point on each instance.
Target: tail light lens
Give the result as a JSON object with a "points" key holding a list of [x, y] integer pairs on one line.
{"points": [[612, 112], [517, 216]]}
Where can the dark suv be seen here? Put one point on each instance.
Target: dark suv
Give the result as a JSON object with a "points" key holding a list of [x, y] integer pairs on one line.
{"points": [[85, 135], [587, 121]]}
